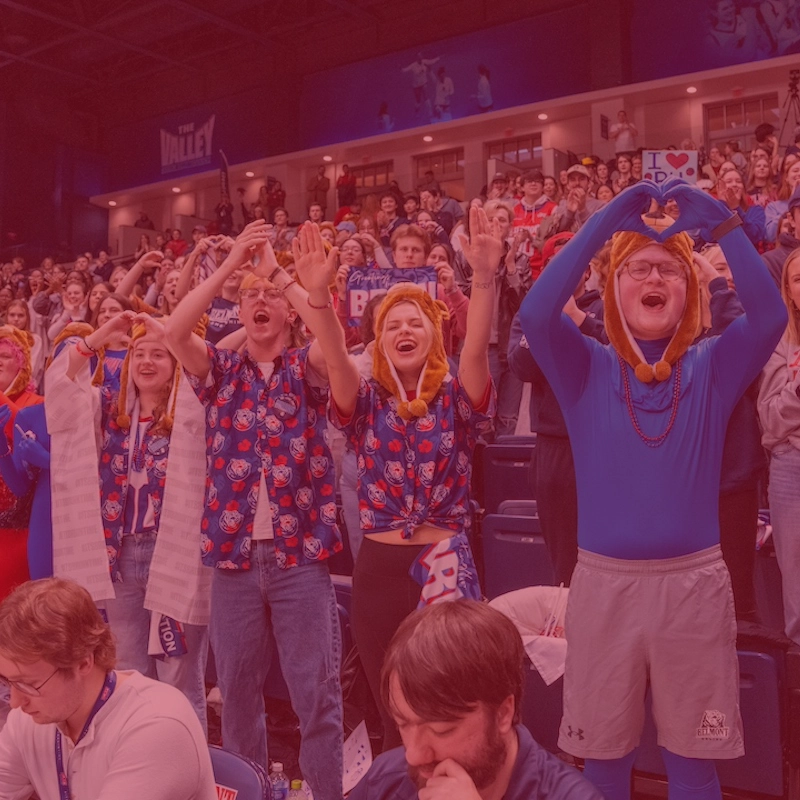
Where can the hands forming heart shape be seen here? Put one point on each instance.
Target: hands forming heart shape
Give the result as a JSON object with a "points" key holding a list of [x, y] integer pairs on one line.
{"points": [[698, 209]]}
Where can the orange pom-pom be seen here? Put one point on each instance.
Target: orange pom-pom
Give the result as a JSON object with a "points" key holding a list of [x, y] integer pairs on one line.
{"points": [[418, 407], [644, 373], [662, 370], [404, 411]]}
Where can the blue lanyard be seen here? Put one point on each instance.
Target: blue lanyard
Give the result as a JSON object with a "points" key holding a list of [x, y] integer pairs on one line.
{"points": [[105, 693]]}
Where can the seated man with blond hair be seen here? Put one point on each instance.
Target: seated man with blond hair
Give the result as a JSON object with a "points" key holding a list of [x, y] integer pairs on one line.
{"points": [[78, 728]]}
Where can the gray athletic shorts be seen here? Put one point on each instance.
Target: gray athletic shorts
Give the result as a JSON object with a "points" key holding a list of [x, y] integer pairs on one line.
{"points": [[670, 622]]}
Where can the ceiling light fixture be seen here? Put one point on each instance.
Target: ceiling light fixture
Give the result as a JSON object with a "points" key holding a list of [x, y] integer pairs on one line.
{"points": [[427, 138], [327, 159], [112, 202], [691, 90], [176, 189], [249, 174], [543, 116]]}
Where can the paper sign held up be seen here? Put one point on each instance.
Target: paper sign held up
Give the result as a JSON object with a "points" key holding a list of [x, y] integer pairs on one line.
{"points": [[660, 165], [226, 793]]}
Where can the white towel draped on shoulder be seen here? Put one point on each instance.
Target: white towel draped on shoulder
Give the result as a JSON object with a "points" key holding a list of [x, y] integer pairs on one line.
{"points": [[179, 585]]}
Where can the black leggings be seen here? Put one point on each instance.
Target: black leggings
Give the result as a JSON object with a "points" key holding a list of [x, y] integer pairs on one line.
{"points": [[384, 594]]}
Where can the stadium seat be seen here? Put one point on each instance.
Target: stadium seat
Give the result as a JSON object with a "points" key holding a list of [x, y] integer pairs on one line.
{"points": [[514, 554], [505, 472], [244, 779]]}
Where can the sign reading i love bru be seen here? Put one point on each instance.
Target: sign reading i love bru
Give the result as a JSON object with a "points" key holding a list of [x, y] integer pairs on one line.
{"points": [[659, 165]]}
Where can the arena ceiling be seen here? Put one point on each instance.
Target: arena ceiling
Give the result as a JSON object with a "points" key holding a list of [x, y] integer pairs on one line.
{"points": [[114, 56]]}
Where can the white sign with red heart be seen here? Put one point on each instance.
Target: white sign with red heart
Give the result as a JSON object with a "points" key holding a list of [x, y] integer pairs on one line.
{"points": [[659, 165]]}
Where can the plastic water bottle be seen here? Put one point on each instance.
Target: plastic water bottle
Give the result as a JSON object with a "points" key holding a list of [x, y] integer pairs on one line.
{"points": [[297, 792], [279, 782]]}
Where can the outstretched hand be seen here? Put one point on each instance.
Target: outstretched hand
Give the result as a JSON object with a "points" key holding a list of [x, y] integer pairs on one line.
{"points": [[118, 325], [484, 248], [627, 208], [149, 261], [698, 209], [315, 268], [152, 326], [250, 240]]}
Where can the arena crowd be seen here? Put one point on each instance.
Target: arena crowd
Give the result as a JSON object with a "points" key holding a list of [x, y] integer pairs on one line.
{"points": [[177, 426]]}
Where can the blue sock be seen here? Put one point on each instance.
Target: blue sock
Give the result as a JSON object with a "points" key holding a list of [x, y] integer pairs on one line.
{"points": [[612, 777], [691, 778]]}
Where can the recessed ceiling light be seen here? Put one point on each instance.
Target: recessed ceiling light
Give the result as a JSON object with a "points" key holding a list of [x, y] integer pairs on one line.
{"points": [[176, 189], [542, 116], [112, 202], [427, 138], [691, 89], [249, 174], [327, 158]]}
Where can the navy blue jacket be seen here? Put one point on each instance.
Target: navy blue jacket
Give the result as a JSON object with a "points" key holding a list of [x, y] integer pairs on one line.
{"points": [[546, 416], [743, 458], [537, 775]]}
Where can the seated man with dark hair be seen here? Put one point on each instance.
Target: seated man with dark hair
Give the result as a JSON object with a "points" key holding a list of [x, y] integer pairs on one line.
{"points": [[78, 728], [452, 679]]}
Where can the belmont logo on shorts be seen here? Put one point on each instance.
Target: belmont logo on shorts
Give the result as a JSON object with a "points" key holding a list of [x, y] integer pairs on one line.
{"points": [[712, 726]]}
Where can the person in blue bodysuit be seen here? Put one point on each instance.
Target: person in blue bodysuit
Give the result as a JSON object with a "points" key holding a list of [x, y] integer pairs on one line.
{"points": [[650, 599], [28, 467]]}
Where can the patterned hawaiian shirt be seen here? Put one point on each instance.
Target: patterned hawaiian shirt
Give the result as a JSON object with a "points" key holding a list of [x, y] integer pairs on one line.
{"points": [[418, 471], [276, 426], [114, 465]]}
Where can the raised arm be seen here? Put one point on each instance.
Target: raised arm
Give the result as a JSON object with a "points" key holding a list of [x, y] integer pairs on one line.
{"points": [[484, 252], [328, 354], [81, 352], [745, 346], [556, 344], [189, 348], [147, 263]]}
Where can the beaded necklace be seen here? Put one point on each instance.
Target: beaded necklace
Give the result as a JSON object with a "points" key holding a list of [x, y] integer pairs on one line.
{"points": [[652, 441], [139, 450]]}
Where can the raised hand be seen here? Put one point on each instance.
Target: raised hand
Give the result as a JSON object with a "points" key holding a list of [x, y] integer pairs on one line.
{"points": [[626, 209], [484, 248], [698, 209], [118, 325], [247, 242], [149, 261], [705, 269], [267, 261], [152, 326], [341, 279], [315, 268], [446, 276], [33, 452]]}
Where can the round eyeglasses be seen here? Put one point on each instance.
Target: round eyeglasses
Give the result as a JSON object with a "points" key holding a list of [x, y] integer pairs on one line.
{"points": [[668, 270]]}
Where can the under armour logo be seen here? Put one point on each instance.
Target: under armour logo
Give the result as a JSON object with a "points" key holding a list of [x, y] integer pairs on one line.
{"points": [[578, 733]]}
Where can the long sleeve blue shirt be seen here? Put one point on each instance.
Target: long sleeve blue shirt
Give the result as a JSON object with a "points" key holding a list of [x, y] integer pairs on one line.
{"points": [[636, 501]]}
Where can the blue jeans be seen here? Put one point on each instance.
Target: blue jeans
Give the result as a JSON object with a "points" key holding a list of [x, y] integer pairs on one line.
{"points": [[784, 507], [264, 612], [509, 393], [130, 624]]}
